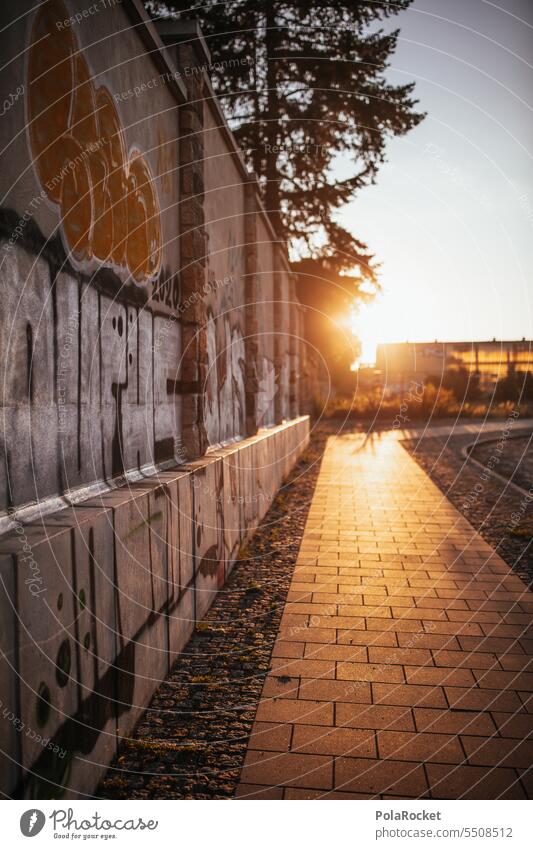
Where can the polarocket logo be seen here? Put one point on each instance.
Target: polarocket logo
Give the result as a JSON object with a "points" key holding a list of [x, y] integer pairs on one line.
{"points": [[32, 822]]}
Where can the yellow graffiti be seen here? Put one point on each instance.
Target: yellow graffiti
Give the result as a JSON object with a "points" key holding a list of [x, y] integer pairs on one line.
{"points": [[108, 205]]}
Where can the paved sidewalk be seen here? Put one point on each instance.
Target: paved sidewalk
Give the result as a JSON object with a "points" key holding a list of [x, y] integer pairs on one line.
{"points": [[402, 667]]}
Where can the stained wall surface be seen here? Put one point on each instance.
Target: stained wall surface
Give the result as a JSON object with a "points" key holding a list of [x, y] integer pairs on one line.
{"points": [[109, 360], [150, 353], [225, 223], [96, 602], [89, 255]]}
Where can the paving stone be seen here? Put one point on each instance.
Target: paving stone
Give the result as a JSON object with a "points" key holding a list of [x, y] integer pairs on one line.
{"points": [[288, 769], [411, 695], [370, 672], [297, 793], [503, 753], [257, 791], [367, 638], [270, 736], [477, 698], [440, 676], [377, 777], [411, 656], [315, 651], [280, 686], [306, 712], [513, 724], [471, 782], [470, 660], [454, 722], [306, 667], [332, 691], [333, 741], [374, 716], [419, 747]]}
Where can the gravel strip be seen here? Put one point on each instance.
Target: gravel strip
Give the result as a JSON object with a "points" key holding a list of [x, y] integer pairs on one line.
{"points": [[516, 462], [501, 514], [191, 742]]}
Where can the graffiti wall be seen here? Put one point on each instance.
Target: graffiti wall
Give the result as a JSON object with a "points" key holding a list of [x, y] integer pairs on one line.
{"points": [[146, 315], [267, 332], [225, 210], [96, 602], [89, 255]]}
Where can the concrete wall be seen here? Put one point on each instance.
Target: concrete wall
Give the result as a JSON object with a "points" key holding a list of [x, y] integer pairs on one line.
{"points": [[225, 211], [132, 243], [146, 315], [89, 255], [97, 601]]}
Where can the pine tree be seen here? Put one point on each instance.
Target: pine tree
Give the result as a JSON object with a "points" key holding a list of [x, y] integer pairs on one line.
{"points": [[310, 85]]}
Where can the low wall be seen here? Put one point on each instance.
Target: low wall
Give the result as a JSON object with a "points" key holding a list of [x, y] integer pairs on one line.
{"points": [[97, 601], [148, 316]]}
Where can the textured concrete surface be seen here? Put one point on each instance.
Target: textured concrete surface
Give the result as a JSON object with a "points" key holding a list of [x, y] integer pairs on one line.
{"points": [[402, 667], [191, 741], [97, 601], [139, 271], [155, 318]]}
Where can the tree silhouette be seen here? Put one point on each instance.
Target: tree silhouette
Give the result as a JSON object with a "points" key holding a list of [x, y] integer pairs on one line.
{"points": [[309, 86]]}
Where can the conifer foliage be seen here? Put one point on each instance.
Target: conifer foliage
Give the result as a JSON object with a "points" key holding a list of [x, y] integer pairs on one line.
{"points": [[304, 83]]}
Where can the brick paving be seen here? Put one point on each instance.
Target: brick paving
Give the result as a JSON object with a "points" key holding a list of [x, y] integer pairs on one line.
{"points": [[402, 667]]}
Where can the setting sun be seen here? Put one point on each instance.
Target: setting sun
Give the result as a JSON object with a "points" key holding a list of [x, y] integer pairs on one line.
{"points": [[374, 323]]}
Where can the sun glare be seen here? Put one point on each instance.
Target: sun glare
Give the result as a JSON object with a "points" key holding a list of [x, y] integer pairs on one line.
{"points": [[374, 323]]}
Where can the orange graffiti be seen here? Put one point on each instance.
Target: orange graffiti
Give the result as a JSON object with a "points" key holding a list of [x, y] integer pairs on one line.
{"points": [[108, 203]]}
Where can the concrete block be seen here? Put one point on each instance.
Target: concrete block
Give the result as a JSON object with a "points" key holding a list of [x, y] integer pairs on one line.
{"points": [[27, 340], [207, 484], [233, 505], [11, 723], [247, 461], [141, 628], [138, 398], [186, 531], [180, 531], [267, 474], [94, 727], [91, 423], [67, 309], [166, 374], [180, 610], [32, 471], [47, 665], [113, 382], [181, 622], [232, 502]]}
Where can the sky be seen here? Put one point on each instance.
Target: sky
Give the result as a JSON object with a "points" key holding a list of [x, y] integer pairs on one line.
{"points": [[451, 215]]}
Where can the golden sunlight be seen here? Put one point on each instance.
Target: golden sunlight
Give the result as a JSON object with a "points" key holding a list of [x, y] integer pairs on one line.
{"points": [[374, 323]]}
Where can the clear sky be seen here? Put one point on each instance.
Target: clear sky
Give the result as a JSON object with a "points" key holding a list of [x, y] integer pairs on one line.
{"points": [[451, 214]]}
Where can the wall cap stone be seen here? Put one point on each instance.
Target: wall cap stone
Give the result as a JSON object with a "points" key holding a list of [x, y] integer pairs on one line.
{"points": [[148, 34], [173, 32]]}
